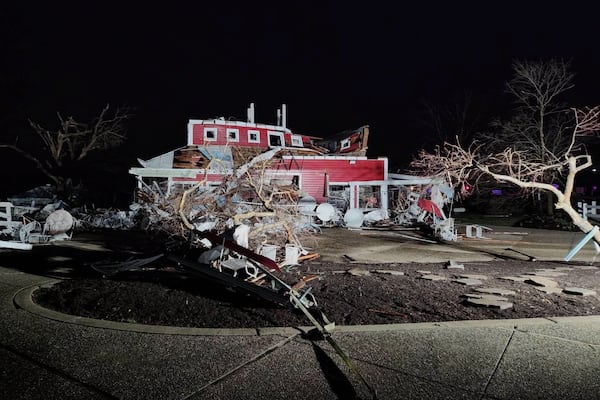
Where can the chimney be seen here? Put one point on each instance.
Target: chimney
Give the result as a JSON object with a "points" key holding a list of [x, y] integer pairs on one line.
{"points": [[251, 113], [284, 115]]}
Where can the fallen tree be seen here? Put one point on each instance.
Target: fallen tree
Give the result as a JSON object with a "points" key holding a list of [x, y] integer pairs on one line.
{"points": [[467, 165]]}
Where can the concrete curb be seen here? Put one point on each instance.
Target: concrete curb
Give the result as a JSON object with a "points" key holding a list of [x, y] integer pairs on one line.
{"points": [[23, 300]]}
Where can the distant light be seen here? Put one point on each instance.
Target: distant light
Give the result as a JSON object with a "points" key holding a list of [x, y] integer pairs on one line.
{"points": [[594, 187], [594, 170]]}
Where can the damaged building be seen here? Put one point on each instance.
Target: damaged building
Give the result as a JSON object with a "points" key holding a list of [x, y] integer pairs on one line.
{"points": [[330, 179], [334, 170]]}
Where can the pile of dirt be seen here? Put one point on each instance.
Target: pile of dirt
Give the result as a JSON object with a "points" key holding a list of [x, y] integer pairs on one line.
{"points": [[349, 294]]}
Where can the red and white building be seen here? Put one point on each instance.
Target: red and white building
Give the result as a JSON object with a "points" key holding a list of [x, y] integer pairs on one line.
{"points": [[335, 170]]}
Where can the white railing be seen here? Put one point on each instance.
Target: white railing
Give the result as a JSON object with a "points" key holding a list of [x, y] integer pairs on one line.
{"points": [[585, 209]]}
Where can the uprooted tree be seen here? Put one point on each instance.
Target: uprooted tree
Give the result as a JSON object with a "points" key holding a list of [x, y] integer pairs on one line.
{"points": [[520, 167], [73, 141], [539, 123]]}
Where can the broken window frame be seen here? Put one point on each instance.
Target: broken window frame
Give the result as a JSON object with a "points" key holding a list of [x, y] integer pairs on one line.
{"points": [[345, 144], [279, 135], [297, 141]]}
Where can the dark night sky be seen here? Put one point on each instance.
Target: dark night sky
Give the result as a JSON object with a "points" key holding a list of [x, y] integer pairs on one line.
{"points": [[337, 66]]}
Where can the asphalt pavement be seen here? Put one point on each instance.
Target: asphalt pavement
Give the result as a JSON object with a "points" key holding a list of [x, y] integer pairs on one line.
{"points": [[47, 355]]}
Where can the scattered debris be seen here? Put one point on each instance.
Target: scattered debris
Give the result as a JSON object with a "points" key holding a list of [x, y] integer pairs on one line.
{"points": [[513, 278], [388, 272], [432, 277], [549, 289], [453, 265], [579, 291], [474, 276], [484, 296], [467, 281], [358, 272], [490, 303], [498, 291], [530, 258], [549, 273], [541, 281]]}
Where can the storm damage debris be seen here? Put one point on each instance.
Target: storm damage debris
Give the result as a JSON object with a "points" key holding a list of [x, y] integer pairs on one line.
{"points": [[21, 227]]}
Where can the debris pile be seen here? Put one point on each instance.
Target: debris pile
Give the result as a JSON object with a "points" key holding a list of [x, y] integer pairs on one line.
{"points": [[259, 213], [19, 230]]}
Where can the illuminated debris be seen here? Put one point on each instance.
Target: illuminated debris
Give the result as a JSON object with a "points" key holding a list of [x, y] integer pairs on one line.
{"points": [[549, 273], [358, 272], [498, 291], [579, 291], [453, 265], [541, 281], [549, 290], [467, 281], [474, 276], [432, 277], [388, 272], [484, 296], [490, 303], [513, 278]]}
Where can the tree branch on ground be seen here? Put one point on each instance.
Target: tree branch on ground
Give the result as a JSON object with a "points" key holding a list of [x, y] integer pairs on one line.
{"points": [[521, 168]]}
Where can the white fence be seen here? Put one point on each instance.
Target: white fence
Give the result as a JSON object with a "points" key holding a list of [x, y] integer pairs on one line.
{"points": [[585, 209]]}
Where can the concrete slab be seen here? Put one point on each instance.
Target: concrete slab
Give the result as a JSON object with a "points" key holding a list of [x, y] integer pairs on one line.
{"points": [[549, 290], [432, 277], [549, 273], [19, 279], [485, 296], [468, 281], [533, 367], [474, 276], [388, 272], [23, 378], [126, 363], [579, 291], [576, 329], [498, 291], [495, 304], [462, 358], [513, 278], [541, 281]]}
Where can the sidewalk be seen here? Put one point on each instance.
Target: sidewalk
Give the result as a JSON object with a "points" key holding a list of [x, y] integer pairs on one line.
{"points": [[46, 355]]}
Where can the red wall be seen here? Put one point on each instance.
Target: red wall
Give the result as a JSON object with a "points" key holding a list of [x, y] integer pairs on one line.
{"points": [[198, 136], [340, 170], [313, 172]]}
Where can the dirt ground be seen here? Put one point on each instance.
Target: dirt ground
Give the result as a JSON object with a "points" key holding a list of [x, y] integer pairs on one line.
{"points": [[348, 293]]}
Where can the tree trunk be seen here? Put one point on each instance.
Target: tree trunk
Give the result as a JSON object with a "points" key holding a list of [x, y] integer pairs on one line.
{"points": [[549, 204]]}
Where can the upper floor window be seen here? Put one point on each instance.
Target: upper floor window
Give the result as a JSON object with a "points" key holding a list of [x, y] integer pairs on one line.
{"points": [[253, 136], [276, 139], [345, 144], [210, 134], [297, 141], [233, 135]]}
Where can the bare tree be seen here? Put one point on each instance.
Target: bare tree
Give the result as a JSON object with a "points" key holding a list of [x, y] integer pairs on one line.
{"points": [[519, 167], [541, 124], [72, 142]]}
